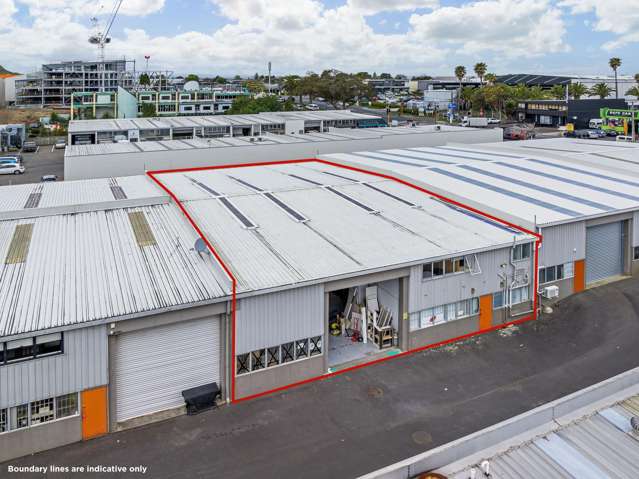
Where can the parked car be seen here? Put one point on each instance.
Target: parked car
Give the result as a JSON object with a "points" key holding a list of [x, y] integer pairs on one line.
{"points": [[312, 107], [596, 133], [47, 178], [623, 138], [29, 146], [595, 122], [60, 144], [493, 121], [10, 159], [11, 169]]}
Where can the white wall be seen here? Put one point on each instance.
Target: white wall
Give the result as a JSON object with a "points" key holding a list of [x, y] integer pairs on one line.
{"points": [[127, 164]]}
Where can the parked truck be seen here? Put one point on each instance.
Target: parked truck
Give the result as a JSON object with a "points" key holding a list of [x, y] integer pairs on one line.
{"points": [[475, 121]]}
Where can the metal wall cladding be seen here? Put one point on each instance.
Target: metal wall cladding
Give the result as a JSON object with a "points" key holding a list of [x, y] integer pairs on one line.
{"points": [[434, 292], [562, 244], [83, 365], [276, 318], [635, 229], [152, 367]]}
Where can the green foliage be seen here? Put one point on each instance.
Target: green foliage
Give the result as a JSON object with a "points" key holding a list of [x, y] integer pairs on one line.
{"points": [[220, 80], [107, 115], [144, 79], [192, 77], [480, 70], [577, 90], [460, 72], [385, 76], [54, 118], [602, 90], [148, 110], [245, 105], [634, 91], [558, 92], [615, 63]]}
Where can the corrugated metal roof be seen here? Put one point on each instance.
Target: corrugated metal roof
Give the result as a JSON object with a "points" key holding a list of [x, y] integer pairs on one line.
{"points": [[276, 252], [89, 266], [601, 445], [540, 187], [78, 126], [75, 193]]}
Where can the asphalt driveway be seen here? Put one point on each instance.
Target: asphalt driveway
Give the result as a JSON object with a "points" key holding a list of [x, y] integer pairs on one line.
{"points": [[354, 423]]}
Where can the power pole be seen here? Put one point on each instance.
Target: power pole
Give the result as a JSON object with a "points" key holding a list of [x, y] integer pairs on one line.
{"points": [[269, 78]]}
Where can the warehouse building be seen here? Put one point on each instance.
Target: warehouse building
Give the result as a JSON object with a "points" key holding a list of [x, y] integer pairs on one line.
{"points": [[581, 196], [86, 132], [134, 158], [111, 305]]}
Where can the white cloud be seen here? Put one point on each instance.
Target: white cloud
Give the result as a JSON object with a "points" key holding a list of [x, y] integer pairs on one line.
{"points": [[371, 7], [513, 28], [86, 8], [296, 36], [618, 17]]}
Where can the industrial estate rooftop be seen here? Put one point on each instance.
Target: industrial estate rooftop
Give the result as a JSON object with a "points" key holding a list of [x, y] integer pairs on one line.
{"points": [[524, 183], [334, 134], [78, 126], [80, 251], [601, 445]]}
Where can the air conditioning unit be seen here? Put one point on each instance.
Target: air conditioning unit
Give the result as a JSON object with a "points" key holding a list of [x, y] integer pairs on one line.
{"points": [[550, 292]]}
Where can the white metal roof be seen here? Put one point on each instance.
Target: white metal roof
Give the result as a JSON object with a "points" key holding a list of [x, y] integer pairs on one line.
{"points": [[80, 126], [531, 185], [14, 200], [339, 238], [601, 445], [89, 266], [335, 134]]}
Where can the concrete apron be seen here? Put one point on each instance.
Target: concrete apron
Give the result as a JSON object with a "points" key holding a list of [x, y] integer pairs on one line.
{"points": [[469, 450]]}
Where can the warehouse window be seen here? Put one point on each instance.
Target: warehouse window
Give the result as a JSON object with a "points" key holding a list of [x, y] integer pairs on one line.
{"points": [[276, 355], [556, 273], [288, 353], [42, 411], [499, 300], [636, 253], [31, 348], [444, 313], [38, 412], [519, 295], [273, 356], [66, 405], [521, 252], [438, 269]]}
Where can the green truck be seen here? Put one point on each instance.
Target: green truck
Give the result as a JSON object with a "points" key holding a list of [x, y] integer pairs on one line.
{"points": [[618, 122]]}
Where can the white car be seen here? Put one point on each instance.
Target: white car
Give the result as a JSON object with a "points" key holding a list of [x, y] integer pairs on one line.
{"points": [[312, 106], [11, 169], [623, 138], [493, 121], [60, 144]]}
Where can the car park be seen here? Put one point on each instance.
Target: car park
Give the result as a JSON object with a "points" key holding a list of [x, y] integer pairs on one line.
{"points": [[60, 144], [11, 169], [29, 147]]}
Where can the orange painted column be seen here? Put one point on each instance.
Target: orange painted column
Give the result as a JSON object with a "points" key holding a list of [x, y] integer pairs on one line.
{"points": [[94, 412], [485, 311], [579, 281]]}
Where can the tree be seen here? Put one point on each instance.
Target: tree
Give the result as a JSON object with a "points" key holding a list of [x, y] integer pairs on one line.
{"points": [[192, 77], [219, 79], [144, 79], [237, 77], [254, 86], [460, 73], [148, 110], [491, 78], [615, 63], [634, 91], [480, 70], [54, 118], [292, 85], [558, 92], [637, 78], [602, 90], [246, 105], [577, 90], [385, 76]]}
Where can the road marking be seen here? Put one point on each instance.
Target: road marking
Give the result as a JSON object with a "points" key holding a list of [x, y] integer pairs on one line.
{"points": [[37, 149], [52, 148]]}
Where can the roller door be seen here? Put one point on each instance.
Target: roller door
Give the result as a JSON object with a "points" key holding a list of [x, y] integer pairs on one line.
{"points": [[604, 251], [151, 367]]}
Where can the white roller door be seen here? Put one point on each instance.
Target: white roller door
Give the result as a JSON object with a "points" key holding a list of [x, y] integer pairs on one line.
{"points": [[151, 367], [604, 251]]}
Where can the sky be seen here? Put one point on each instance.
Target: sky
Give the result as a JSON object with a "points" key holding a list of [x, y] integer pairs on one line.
{"points": [[413, 37]]}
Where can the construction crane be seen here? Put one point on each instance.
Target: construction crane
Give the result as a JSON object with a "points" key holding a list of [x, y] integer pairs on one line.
{"points": [[101, 38]]}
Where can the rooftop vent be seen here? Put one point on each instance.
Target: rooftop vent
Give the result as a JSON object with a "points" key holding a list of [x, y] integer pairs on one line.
{"points": [[19, 246], [33, 200], [142, 229], [118, 193]]}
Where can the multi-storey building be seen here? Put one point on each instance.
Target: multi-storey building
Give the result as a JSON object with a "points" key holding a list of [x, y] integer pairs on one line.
{"points": [[56, 82]]}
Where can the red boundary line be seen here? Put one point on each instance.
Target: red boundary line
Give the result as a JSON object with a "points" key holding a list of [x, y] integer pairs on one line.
{"points": [[538, 240]]}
